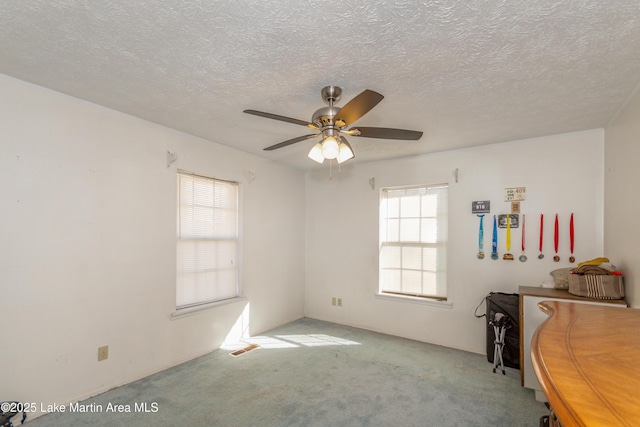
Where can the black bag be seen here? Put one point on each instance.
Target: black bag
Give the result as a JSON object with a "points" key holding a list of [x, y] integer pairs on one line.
{"points": [[509, 305]]}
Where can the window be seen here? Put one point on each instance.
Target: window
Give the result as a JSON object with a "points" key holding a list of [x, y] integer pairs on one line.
{"points": [[207, 240], [413, 241]]}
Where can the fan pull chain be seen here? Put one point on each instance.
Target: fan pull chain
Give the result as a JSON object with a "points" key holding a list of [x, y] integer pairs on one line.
{"points": [[330, 160]]}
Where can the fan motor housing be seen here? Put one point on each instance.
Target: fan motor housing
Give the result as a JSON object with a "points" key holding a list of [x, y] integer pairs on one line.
{"points": [[324, 116]]}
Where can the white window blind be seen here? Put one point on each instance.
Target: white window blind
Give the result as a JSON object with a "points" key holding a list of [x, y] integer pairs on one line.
{"points": [[207, 240], [413, 241]]}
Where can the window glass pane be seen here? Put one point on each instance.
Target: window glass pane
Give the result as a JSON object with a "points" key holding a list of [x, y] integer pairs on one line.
{"points": [[429, 205], [441, 259], [202, 192], [410, 206], [225, 281], [201, 223], [207, 254], [393, 230], [390, 257], [391, 280], [441, 280], [224, 223], [412, 282], [429, 259], [443, 230], [410, 230], [412, 258], [430, 283], [429, 230], [393, 207]]}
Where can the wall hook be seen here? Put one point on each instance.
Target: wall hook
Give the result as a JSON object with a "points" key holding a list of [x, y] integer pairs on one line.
{"points": [[372, 183], [171, 157]]}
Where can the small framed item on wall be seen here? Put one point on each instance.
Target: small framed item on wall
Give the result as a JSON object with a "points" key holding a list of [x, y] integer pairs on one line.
{"points": [[515, 194], [482, 206], [512, 218]]}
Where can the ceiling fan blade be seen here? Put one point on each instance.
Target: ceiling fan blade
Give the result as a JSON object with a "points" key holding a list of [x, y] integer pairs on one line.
{"points": [[387, 133], [281, 118], [358, 107], [289, 142]]}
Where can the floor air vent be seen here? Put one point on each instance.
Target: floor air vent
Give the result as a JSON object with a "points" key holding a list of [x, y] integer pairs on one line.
{"points": [[244, 350]]}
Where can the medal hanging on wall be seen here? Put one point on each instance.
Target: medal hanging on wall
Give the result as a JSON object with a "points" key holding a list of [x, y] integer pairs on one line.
{"points": [[523, 257], [481, 239], [556, 236], [494, 241], [541, 234], [571, 237], [507, 256]]}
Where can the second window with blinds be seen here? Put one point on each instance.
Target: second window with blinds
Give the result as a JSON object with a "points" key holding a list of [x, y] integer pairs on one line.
{"points": [[207, 241], [413, 241]]}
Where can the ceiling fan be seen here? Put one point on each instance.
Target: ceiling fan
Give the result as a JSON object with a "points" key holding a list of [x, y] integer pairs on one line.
{"points": [[331, 123]]}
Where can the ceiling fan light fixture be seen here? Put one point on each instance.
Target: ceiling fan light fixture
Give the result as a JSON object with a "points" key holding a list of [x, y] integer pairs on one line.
{"points": [[330, 149], [316, 153]]}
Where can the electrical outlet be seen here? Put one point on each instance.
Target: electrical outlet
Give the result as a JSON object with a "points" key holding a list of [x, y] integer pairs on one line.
{"points": [[333, 300], [339, 302], [103, 353]]}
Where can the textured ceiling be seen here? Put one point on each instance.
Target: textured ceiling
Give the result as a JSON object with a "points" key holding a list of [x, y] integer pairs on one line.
{"points": [[463, 72]]}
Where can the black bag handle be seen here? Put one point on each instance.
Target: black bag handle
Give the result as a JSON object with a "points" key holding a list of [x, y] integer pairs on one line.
{"points": [[483, 300]]}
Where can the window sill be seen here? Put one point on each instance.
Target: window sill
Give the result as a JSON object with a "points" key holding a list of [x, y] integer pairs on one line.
{"points": [[414, 300], [185, 312]]}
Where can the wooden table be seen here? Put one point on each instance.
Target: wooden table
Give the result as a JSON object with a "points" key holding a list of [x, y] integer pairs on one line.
{"points": [[587, 359]]}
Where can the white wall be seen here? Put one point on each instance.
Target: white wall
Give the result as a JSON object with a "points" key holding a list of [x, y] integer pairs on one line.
{"points": [[622, 206], [87, 221], [562, 174]]}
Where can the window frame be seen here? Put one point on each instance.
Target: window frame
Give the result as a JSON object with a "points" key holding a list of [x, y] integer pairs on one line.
{"points": [[441, 246], [237, 238]]}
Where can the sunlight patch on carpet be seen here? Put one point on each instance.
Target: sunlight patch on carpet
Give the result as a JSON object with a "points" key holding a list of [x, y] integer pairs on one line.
{"points": [[317, 340]]}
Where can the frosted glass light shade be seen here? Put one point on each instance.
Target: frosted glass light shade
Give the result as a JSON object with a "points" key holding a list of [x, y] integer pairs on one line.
{"points": [[330, 148], [345, 153], [316, 153]]}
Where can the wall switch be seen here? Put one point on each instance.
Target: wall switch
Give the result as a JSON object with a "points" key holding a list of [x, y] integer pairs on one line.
{"points": [[103, 353], [333, 300], [339, 302]]}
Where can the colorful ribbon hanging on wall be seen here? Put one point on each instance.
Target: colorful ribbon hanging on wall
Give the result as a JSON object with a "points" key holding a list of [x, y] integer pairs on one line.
{"points": [[541, 234], [494, 241], [523, 257], [481, 238], [507, 256], [571, 237], [556, 238]]}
